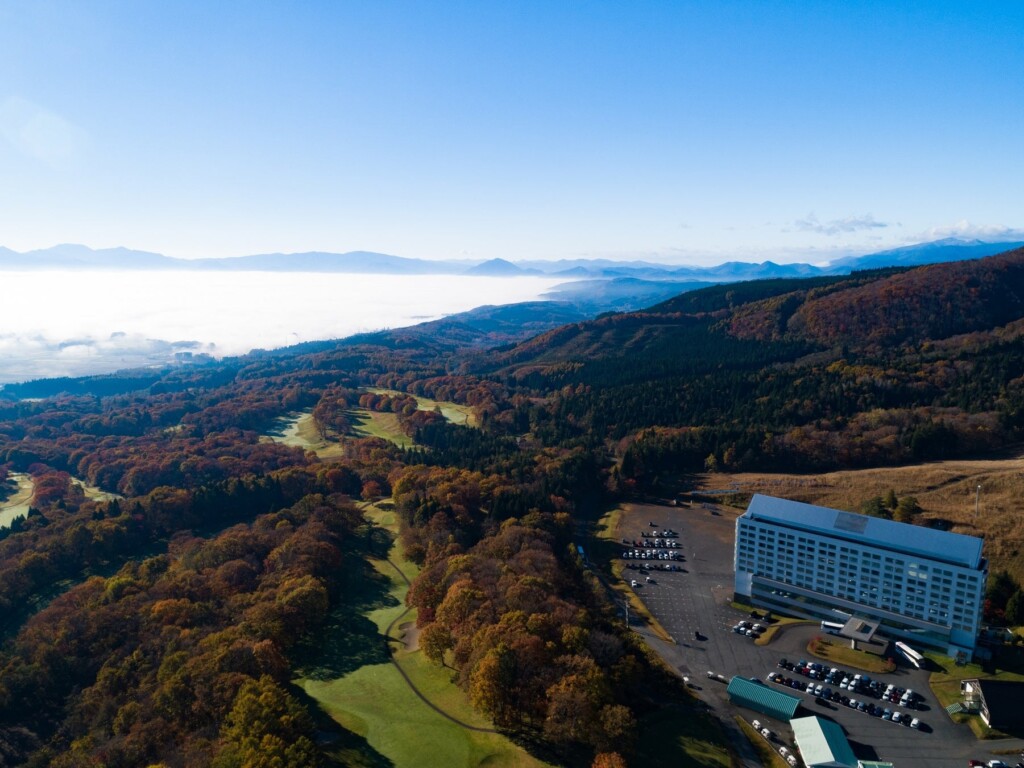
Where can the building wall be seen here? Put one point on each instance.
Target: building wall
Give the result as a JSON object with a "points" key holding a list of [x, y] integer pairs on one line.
{"points": [[812, 574]]}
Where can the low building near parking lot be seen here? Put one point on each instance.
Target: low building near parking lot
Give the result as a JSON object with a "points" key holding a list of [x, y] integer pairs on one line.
{"points": [[997, 701], [822, 743], [760, 698]]}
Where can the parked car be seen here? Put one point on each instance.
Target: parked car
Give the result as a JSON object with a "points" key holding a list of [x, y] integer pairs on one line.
{"points": [[915, 724]]}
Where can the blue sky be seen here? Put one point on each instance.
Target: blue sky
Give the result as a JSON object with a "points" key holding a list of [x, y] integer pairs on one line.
{"points": [[673, 131]]}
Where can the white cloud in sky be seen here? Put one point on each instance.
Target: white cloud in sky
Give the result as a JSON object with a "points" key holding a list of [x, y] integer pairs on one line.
{"points": [[37, 132], [967, 230], [838, 226]]}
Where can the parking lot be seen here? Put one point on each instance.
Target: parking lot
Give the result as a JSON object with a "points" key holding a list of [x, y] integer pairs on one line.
{"points": [[694, 606]]}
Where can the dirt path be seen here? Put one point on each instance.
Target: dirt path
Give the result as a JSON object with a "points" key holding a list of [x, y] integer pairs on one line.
{"points": [[410, 635]]}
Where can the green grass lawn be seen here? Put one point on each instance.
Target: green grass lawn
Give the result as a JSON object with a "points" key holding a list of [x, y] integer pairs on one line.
{"points": [[945, 684], [385, 425], [769, 757], [843, 655], [370, 698], [681, 737], [375, 703], [453, 412]]}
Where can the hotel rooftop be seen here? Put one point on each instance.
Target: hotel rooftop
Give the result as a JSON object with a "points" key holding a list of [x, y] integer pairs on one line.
{"points": [[943, 546]]}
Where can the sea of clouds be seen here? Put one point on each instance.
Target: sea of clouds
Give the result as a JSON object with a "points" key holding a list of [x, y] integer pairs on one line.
{"points": [[79, 323]]}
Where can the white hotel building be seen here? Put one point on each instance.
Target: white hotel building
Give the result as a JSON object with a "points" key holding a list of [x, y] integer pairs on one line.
{"points": [[923, 585]]}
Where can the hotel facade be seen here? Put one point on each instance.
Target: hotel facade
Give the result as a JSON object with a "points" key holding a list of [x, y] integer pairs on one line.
{"points": [[922, 585]]}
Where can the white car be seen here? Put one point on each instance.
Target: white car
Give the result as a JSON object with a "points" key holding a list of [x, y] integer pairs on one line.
{"points": [[915, 723], [633, 583]]}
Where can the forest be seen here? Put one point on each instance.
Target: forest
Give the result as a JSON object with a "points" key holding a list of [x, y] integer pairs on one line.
{"points": [[160, 625]]}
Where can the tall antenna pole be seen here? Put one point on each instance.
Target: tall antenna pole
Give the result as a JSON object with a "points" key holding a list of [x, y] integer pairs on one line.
{"points": [[977, 501]]}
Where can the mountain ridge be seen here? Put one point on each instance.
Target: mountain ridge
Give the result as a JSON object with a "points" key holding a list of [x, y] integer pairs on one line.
{"points": [[75, 256]]}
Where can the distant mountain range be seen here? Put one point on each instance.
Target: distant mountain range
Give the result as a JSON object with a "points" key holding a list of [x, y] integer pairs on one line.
{"points": [[364, 262]]}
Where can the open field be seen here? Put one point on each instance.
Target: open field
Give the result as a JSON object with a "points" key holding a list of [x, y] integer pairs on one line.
{"points": [[17, 503], [298, 430], [371, 699], [384, 425], [946, 490], [455, 413], [93, 493], [679, 737]]}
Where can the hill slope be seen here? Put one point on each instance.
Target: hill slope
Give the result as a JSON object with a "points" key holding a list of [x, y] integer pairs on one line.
{"points": [[878, 367]]}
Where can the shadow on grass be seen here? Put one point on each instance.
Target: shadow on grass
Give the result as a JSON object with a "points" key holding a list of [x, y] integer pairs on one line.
{"points": [[338, 745], [348, 640], [370, 540], [679, 736]]}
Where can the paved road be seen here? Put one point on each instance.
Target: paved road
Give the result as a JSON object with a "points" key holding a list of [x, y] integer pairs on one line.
{"points": [[699, 599]]}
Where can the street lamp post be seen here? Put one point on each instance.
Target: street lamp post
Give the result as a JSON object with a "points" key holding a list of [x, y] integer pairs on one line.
{"points": [[977, 501]]}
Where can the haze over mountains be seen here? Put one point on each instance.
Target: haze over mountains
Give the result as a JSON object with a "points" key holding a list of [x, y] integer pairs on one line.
{"points": [[71, 257], [103, 337]]}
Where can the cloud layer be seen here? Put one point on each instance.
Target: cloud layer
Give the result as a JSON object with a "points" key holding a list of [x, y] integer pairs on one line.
{"points": [[838, 226], [966, 230]]}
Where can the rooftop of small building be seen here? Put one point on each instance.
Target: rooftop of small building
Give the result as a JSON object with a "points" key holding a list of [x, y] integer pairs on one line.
{"points": [[822, 742], [910, 540], [784, 705]]}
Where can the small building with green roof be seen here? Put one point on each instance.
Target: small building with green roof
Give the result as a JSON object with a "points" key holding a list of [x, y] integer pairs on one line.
{"points": [[762, 698], [822, 743]]}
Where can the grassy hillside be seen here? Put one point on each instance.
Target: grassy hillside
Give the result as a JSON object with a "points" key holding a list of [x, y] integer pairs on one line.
{"points": [[946, 490]]}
